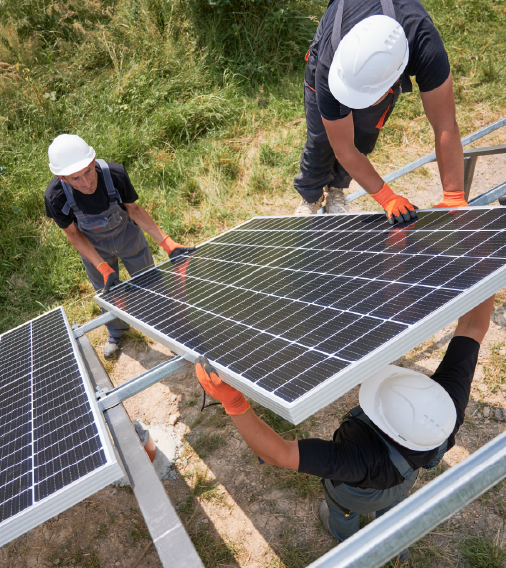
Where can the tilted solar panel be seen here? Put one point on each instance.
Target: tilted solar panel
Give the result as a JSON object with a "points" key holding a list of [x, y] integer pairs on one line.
{"points": [[54, 450], [295, 311]]}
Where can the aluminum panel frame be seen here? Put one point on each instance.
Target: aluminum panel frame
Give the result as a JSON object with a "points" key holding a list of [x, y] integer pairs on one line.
{"points": [[77, 491], [331, 389]]}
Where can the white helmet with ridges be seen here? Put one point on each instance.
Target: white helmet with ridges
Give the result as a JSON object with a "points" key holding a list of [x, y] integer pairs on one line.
{"points": [[368, 61], [69, 154], [411, 408]]}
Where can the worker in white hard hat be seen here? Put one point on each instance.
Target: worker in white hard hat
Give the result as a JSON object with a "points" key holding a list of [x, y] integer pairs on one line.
{"points": [[361, 58], [94, 202], [405, 421]]}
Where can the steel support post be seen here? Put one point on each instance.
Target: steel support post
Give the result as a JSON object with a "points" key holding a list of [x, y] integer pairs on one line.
{"points": [[469, 167], [80, 330], [489, 196], [116, 396], [423, 511], [170, 538]]}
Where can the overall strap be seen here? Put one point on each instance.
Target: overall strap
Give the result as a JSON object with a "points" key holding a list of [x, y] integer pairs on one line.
{"points": [[388, 8], [386, 5], [71, 202], [336, 30], [112, 192], [400, 462]]}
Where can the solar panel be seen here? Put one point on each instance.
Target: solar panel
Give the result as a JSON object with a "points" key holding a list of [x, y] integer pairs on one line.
{"points": [[54, 449], [295, 311]]}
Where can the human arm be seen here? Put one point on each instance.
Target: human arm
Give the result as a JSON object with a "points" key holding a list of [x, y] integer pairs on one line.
{"points": [[260, 437], [439, 106], [265, 443], [476, 322], [341, 134], [138, 214]]}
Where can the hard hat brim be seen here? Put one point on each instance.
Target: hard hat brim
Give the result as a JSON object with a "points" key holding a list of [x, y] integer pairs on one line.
{"points": [[367, 399], [72, 169]]}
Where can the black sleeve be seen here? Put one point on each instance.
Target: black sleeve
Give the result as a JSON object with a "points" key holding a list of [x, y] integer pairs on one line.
{"points": [[330, 108], [54, 201], [455, 374], [122, 183], [429, 60]]}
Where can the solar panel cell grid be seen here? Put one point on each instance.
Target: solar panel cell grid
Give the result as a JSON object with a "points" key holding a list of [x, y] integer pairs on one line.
{"points": [[48, 436], [287, 303]]}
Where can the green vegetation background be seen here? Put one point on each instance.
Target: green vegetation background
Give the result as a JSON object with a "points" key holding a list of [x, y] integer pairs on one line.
{"points": [[176, 90]]}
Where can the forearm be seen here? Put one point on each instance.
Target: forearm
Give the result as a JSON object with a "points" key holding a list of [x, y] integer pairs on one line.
{"points": [[450, 158], [83, 246], [361, 170], [475, 323], [145, 222], [265, 443]]}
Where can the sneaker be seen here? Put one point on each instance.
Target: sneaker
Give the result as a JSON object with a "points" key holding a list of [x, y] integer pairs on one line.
{"points": [[335, 201], [372, 516], [324, 514], [111, 350], [305, 208]]}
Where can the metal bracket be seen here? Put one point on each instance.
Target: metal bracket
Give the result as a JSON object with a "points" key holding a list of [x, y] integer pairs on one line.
{"points": [[109, 398], [100, 392], [80, 330]]}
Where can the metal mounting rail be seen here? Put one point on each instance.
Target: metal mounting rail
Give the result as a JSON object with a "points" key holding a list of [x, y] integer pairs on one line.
{"points": [[423, 511], [432, 157], [110, 399], [80, 330], [170, 538]]}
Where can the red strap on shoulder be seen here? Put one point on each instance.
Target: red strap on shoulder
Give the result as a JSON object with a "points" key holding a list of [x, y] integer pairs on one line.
{"points": [[307, 56]]}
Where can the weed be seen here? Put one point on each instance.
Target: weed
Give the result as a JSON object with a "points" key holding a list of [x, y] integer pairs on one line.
{"points": [[208, 443], [430, 474], [483, 552], [202, 486], [103, 530], [211, 548], [219, 418], [280, 425], [293, 556], [495, 371], [73, 553], [302, 484], [139, 532], [137, 339]]}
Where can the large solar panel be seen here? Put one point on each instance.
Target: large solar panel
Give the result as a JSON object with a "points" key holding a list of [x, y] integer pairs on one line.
{"points": [[54, 450], [295, 311]]}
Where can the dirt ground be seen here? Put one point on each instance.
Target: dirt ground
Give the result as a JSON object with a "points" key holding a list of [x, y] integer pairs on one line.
{"points": [[241, 513]]}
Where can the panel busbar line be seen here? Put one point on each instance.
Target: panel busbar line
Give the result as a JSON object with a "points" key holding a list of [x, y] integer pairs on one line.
{"points": [[54, 450], [296, 311]]}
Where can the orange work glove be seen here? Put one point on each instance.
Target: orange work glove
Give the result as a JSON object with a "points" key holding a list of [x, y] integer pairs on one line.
{"points": [[174, 249], [111, 277], [452, 199], [396, 208], [233, 401]]}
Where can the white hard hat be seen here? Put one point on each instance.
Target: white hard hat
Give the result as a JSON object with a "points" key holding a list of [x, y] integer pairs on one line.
{"points": [[69, 154], [411, 408], [368, 61]]}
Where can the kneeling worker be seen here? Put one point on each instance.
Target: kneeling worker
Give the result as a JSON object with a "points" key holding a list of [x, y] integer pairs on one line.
{"points": [[374, 457], [93, 201]]}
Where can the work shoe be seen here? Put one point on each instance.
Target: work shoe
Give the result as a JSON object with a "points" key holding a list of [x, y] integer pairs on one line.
{"points": [[324, 514], [111, 349], [305, 208], [335, 201]]}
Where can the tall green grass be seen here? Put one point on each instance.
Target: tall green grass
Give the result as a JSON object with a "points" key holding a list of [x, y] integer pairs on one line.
{"points": [[200, 100]]}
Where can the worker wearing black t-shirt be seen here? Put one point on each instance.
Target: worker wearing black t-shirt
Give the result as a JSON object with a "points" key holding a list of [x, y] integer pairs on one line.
{"points": [[93, 201], [373, 460], [361, 58]]}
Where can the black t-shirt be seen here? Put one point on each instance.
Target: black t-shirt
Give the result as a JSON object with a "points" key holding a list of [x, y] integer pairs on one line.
{"points": [[54, 196], [428, 60], [358, 457]]}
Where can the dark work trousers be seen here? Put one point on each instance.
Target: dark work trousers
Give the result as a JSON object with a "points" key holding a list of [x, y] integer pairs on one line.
{"points": [[318, 164], [361, 501], [131, 246]]}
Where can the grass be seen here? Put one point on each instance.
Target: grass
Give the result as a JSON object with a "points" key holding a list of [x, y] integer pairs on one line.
{"points": [[483, 552], [302, 484], [495, 371], [207, 443], [286, 429], [212, 549], [201, 101], [72, 553]]}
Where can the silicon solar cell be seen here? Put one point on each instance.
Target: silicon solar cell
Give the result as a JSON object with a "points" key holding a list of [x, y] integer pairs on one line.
{"points": [[295, 311], [53, 449]]}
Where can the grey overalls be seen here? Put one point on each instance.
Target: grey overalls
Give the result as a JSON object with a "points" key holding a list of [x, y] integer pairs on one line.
{"points": [[346, 503], [318, 163], [114, 235]]}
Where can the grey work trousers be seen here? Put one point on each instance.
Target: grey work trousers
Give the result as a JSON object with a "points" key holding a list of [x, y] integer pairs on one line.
{"points": [[361, 501], [132, 248]]}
